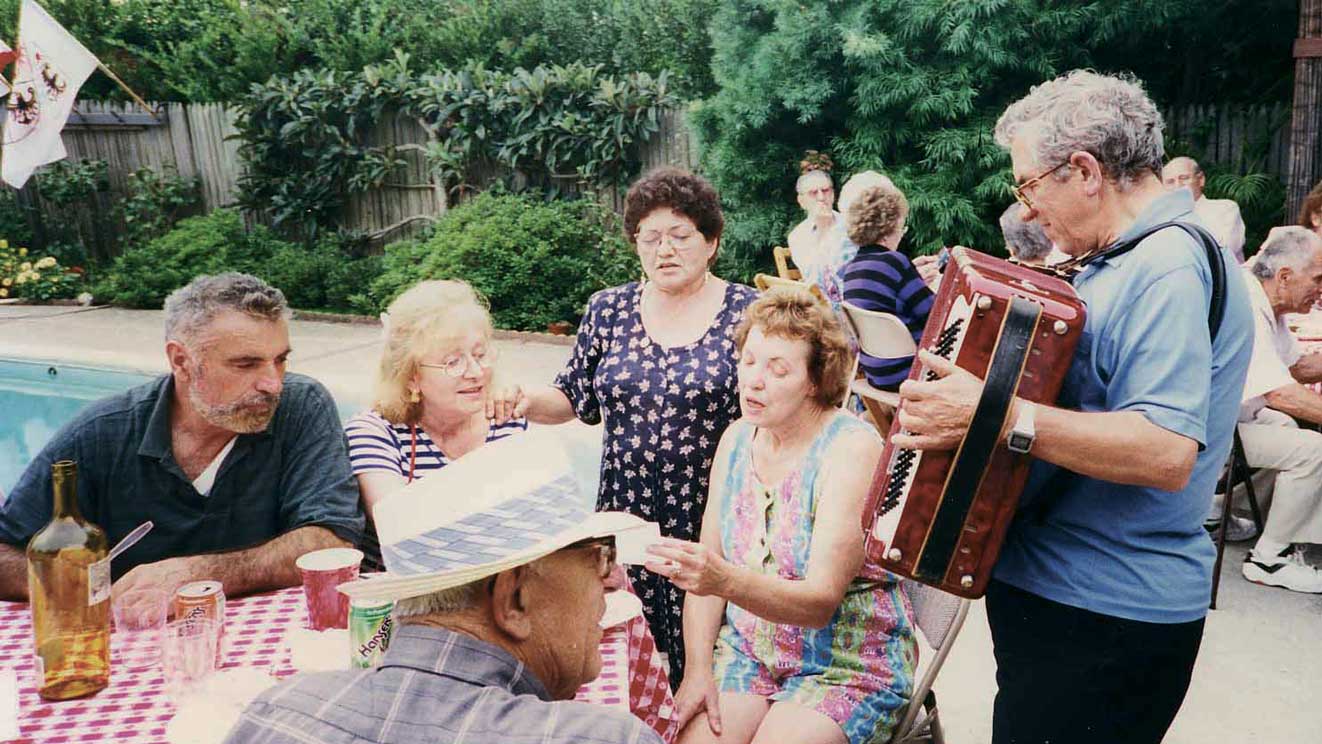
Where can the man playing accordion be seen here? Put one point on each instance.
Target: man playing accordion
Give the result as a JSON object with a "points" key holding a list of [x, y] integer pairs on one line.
{"points": [[1098, 599]]}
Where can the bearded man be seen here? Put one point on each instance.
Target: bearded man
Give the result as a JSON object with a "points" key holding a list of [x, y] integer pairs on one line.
{"points": [[241, 467]]}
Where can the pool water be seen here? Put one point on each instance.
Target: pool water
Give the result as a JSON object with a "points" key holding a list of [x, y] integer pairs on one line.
{"points": [[37, 398]]}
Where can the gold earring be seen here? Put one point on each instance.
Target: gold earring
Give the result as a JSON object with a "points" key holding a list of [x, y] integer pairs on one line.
{"points": [[415, 397]]}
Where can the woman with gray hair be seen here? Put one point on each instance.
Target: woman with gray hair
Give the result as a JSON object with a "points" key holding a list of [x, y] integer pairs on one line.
{"points": [[1098, 599], [1024, 241]]}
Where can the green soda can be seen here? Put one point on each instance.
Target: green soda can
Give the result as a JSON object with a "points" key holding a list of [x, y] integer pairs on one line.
{"points": [[370, 627]]}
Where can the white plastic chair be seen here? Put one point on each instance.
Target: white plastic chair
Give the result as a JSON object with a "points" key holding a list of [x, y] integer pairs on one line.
{"points": [[939, 615], [880, 335]]}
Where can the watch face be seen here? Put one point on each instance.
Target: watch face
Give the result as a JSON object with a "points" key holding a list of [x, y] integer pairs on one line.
{"points": [[1019, 442]]}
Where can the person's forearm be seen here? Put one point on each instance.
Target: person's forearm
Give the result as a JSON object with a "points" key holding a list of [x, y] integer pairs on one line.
{"points": [[267, 566], [702, 623], [783, 601], [1298, 401], [1119, 447], [547, 404], [13, 574], [1307, 369]]}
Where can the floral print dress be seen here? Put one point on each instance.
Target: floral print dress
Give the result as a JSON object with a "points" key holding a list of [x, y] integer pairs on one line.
{"points": [[665, 409]]}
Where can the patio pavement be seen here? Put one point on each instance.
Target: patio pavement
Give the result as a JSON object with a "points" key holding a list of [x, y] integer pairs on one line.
{"points": [[1258, 678]]}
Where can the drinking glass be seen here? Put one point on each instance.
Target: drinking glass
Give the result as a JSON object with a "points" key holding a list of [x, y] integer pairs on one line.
{"points": [[188, 655], [139, 618]]}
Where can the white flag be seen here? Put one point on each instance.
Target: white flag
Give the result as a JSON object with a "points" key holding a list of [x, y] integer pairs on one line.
{"points": [[50, 68], [6, 56]]}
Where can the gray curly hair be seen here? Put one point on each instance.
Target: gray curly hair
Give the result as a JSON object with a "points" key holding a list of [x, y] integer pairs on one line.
{"points": [[1109, 116], [191, 307], [1291, 246], [1026, 240]]}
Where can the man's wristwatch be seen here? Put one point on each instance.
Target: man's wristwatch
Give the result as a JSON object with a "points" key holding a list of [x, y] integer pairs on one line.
{"points": [[1021, 436]]}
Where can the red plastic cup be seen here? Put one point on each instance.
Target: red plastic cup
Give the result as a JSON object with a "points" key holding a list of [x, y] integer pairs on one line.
{"points": [[323, 571]]}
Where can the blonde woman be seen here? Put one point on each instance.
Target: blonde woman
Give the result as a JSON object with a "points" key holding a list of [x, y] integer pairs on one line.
{"points": [[433, 390]]}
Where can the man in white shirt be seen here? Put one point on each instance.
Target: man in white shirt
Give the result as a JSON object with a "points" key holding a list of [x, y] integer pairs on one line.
{"points": [[1220, 215], [1285, 278]]}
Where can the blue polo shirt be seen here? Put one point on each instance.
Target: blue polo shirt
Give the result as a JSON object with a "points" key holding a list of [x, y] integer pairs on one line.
{"points": [[293, 474], [1127, 551]]}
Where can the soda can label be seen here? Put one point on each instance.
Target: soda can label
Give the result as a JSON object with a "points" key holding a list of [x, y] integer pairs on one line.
{"points": [[370, 628], [203, 599]]}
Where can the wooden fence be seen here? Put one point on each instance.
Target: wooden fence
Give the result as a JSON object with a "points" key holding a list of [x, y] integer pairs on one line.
{"points": [[197, 140]]}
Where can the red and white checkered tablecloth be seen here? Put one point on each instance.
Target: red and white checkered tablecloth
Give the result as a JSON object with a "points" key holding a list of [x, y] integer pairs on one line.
{"points": [[134, 707]]}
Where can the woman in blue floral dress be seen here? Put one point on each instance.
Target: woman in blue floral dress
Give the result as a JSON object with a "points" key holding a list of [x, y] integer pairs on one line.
{"points": [[655, 361]]}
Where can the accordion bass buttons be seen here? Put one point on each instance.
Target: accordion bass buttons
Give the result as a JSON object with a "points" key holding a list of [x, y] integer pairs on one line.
{"points": [[894, 554], [983, 303], [1060, 328], [966, 581]]}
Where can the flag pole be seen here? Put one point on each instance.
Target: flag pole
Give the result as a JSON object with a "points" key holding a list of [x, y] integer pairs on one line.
{"points": [[127, 89]]}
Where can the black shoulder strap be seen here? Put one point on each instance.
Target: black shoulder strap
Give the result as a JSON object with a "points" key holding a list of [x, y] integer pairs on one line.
{"points": [[1215, 259]]}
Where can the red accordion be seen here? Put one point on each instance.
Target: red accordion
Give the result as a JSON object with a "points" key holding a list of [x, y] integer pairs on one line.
{"points": [[940, 517]]}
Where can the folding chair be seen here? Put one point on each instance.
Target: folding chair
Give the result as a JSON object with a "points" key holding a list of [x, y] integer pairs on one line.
{"points": [[784, 264], [1237, 471], [884, 336], [939, 616], [763, 282]]}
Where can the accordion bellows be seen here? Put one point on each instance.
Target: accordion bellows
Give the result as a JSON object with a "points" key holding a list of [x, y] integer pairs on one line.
{"points": [[940, 517]]}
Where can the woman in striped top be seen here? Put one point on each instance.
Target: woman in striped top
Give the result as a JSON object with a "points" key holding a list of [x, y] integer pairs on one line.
{"points": [[880, 277], [432, 394]]}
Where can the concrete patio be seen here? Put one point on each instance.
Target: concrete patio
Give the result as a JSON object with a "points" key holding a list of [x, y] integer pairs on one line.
{"points": [[1258, 679]]}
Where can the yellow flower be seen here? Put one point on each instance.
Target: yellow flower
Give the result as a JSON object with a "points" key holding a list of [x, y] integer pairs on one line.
{"points": [[25, 266], [46, 262], [36, 275], [6, 281], [4, 243], [4, 292], [22, 251], [21, 279]]}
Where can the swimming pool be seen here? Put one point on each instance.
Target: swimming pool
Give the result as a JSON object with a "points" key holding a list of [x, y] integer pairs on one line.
{"points": [[37, 398]]}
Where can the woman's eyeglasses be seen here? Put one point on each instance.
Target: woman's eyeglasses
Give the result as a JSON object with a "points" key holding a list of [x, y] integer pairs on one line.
{"points": [[457, 365], [680, 238]]}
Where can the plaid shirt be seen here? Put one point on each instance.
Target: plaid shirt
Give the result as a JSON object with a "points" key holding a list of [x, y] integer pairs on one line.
{"points": [[435, 686]]}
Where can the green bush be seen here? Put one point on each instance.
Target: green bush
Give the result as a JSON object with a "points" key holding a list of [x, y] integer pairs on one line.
{"points": [[142, 277], [322, 277], [536, 262]]}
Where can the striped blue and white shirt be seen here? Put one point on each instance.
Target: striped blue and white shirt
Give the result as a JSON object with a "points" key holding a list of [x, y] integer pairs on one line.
{"points": [[378, 445], [434, 686], [886, 281]]}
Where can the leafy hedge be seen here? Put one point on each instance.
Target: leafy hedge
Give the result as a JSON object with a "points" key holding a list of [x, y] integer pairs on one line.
{"points": [[305, 136], [322, 277], [536, 262]]}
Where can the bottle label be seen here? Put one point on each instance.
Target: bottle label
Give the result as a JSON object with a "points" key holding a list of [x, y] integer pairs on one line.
{"points": [[98, 582]]}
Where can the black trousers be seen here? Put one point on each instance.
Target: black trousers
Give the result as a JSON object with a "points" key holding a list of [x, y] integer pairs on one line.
{"points": [[1070, 676]]}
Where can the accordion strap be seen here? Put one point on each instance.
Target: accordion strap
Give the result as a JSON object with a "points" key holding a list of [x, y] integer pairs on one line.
{"points": [[970, 464]]}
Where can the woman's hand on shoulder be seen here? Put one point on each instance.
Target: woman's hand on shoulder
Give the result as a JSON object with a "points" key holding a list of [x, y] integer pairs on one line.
{"points": [[506, 403], [691, 566]]}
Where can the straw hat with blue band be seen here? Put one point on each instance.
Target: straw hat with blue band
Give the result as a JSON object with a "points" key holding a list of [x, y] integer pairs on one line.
{"points": [[503, 505]]}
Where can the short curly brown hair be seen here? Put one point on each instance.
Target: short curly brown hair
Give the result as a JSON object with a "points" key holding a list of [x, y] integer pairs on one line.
{"points": [[876, 212], [792, 313], [674, 188], [1312, 206]]}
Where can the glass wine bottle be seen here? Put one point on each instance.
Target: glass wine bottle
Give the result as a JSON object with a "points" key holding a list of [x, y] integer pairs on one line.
{"points": [[69, 588]]}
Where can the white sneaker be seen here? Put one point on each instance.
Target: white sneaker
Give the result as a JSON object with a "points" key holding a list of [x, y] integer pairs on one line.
{"points": [[1289, 570]]}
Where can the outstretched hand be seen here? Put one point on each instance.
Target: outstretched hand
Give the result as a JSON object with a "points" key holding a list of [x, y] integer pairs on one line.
{"points": [[691, 566], [508, 403], [936, 414]]}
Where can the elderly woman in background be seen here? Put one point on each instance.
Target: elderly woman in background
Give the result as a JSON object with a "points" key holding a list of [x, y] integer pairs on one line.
{"points": [[655, 361], [880, 277], [434, 401], [785, 641]]}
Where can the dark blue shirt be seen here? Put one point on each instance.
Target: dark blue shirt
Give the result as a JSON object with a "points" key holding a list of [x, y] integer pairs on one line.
{"points": [[886, 281], [293, 474]]}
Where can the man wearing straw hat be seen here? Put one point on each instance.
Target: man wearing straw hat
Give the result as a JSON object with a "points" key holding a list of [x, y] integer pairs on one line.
{"points": [[497, 578]]}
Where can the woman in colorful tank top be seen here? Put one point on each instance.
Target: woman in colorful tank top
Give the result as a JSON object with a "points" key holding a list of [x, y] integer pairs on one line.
{"points": [[783, 638]]}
